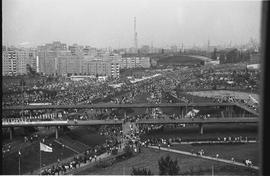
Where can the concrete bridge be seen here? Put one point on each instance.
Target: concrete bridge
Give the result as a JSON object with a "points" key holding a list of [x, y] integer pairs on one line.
{"points": [[58, 123], [111, 105]]}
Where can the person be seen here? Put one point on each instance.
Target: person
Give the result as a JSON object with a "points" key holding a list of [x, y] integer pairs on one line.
{"points": [[217, 155], [159, 146]]}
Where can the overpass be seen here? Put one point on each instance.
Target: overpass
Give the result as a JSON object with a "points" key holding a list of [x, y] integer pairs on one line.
{"points": [[111, 105], [59, 123], [118, 122], [200, 120], [140, 105]]}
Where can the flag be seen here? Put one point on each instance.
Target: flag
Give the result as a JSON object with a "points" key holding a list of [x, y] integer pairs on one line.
{"points": [[45, 148]]}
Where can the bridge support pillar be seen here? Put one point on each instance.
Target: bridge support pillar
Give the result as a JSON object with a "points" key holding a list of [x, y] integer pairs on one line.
{"points": [[201, 128], [222, 114], [11, 133], [56, 132]]}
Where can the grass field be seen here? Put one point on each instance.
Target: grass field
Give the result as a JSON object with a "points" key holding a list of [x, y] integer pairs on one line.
{"points": [[31, 156], [188, 165]]}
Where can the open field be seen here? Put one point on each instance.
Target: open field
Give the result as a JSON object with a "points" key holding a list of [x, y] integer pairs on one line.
{"points": [[188, 165], [31, 156]]}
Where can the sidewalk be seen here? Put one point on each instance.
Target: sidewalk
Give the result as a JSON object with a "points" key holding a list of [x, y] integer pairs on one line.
{"points": [[205, 157]]}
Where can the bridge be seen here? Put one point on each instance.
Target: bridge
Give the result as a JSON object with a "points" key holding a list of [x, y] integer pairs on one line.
{"points": [[58, 123], [198, 121], [111, 105], [62, 123]]}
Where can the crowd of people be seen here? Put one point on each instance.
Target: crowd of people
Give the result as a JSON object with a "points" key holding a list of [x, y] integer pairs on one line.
{"points": [[89, 156]]}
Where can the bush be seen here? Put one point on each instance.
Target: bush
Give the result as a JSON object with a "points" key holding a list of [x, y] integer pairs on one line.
{"points": [[143, 171], [114, 151], [168, 167], [128, 151], [104, 164]]}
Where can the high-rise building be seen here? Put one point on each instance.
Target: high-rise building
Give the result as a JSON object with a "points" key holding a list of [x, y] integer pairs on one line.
{"points": [[9, 62], [135, 62], [15, 61], [68, 64], [101, 67], [46, 62], [56, 46]]}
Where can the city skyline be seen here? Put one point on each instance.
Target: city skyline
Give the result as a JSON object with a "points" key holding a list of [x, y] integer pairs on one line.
{"points": [[110, 23]]}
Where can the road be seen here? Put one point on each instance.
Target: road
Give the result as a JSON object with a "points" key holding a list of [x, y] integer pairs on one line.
{"points": [[111, 105], [148, 121]]}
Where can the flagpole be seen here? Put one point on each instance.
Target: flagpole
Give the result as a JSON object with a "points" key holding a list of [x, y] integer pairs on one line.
{"points": [[19, 162], [39, 160]]}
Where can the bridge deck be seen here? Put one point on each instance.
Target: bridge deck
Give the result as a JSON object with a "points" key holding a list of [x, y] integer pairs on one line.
{"points": [[115, 122], [201, 121], [110, 105]]}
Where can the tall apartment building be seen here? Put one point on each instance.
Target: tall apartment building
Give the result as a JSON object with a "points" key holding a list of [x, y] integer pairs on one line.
{"points": [[103, 68], [68, 64], [76, 50], [135, 62], [9, 62], [46, 62], [15, 61], [55, 46]]}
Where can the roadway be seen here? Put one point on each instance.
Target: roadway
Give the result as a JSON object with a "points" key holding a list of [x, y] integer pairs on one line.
{"points": [[201, 121], [118, 122], [111, 105], [61, 123]]}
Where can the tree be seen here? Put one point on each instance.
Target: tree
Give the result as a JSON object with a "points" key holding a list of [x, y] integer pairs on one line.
{"points": [[128, 151], [168, 167], [143, 171]]}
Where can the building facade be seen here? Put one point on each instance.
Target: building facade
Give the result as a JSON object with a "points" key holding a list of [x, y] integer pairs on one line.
{"points": [[15, 61], [135, 62]]}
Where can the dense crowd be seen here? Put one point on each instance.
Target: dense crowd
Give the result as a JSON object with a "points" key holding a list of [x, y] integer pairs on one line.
{"points": [[89, 156]]}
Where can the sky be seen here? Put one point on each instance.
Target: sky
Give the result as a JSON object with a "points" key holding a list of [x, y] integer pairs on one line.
{"points": [[110, 23]]}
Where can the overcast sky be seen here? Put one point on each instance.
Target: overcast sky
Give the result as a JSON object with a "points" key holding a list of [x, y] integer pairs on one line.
{"points": [[104, 23]]}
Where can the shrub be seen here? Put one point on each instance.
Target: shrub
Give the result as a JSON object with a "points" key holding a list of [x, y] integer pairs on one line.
{"points": [[168, 167]]}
